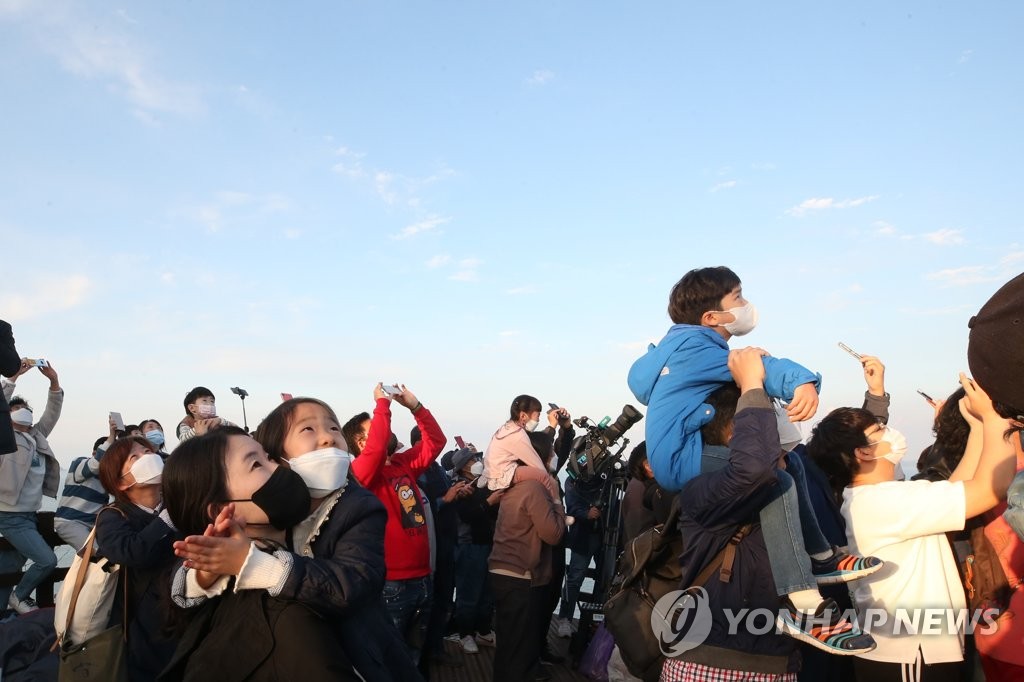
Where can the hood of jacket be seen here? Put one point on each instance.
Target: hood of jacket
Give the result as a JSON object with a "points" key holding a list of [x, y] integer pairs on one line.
{"points": [[507, 429], [645, 371]]}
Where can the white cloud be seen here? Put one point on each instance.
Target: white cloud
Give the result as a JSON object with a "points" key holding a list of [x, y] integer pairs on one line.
{"points": [[945, 237], [392, 187], [438, 261], [884, 228], [965, 56], [46, 295], [470, 263], [763, 166], [105, 51], [383, 181], [465, 276], [540, 77], [168, 278], [728, 184], [292, 233], [818, 204], [234, 206], [428, 225], [966, 275]]}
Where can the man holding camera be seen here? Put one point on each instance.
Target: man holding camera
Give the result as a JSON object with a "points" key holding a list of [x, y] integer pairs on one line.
{"points": [[25, 476]]}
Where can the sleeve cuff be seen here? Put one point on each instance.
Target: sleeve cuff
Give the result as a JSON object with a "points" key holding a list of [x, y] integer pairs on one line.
{"points": [[262, 571], [186, 591], [754, 398]]}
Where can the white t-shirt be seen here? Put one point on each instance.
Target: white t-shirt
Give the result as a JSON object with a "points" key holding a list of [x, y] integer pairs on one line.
{"points": [[903, 523]]}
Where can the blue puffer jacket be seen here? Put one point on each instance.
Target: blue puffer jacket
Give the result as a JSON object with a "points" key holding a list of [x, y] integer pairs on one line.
{"points": [[675, 377]]}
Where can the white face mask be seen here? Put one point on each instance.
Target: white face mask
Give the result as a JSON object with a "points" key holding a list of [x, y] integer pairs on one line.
{"points": [[22, 416], [324, 470], [531, 425], [147, 469], [206, 411], [746, 320], [897, 446], [476, 468]]}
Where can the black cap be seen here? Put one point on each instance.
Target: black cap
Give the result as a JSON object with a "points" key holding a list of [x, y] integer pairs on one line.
{"points": [[995, 349]]}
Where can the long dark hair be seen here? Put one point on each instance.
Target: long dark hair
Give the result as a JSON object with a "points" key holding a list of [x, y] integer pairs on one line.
{"points": [[274, 428], [195, 479], [951, 431], [523, 403], [833, 442]]}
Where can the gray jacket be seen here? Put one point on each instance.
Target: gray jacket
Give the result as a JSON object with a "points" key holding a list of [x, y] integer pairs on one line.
{"points": [[14, 467]]}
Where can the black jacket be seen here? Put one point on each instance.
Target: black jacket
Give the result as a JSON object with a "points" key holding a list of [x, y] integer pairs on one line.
{"points": [[479, 515], [10, 363], [142, 544], [713, 505], [347, 587]]}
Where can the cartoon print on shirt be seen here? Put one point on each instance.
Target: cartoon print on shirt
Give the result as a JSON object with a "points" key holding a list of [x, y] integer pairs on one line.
{"points": [[412, 508]]}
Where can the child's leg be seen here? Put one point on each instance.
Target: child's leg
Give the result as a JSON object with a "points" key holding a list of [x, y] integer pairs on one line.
{"points": [[528, 473], [815, 541], [787, 554]]}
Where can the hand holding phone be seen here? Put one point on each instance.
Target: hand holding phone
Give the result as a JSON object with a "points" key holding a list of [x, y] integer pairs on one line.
{"points": [[460, 442], [850, 350], [118, 421], [927, 397], [391, 389], [37, 363]]}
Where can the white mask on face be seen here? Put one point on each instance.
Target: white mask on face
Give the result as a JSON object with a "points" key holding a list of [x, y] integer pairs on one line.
{"points": [[206, 411], [531, 425], [897, 446], [324, 470], [746, 320], [147, 469], [476, 468], [22, 416]]}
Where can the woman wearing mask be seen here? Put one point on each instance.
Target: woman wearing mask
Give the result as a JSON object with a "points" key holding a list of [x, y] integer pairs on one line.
{"points": [[154, 433], [904, 524], [510, 456], [223, 484], [136, 533], [336, 566]]}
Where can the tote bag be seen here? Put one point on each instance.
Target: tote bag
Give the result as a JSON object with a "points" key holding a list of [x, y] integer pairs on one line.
{"points": [[82, 607]]}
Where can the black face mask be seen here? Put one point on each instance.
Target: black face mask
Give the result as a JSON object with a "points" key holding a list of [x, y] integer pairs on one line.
{"points": [[284, 498]]}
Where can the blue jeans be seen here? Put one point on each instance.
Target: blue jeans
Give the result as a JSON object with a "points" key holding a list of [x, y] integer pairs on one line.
{"points": [[786, 536], [21, 531], [408, 603], [474, 602], [575, 572]]}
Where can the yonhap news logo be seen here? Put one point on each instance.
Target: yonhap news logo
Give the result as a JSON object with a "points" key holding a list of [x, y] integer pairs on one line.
{"points": [[681, 620]]}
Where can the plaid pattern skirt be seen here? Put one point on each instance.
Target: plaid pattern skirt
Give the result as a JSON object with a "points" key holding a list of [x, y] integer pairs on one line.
{"points": [[675, 670]]}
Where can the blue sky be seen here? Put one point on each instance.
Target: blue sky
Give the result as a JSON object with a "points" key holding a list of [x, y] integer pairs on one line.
{"points": [[483, 199]]}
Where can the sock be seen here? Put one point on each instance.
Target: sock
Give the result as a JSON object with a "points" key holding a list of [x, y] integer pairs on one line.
{"points": [[821, 556], [805, 600]]}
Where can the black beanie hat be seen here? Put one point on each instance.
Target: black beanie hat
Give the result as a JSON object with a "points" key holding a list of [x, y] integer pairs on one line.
{"points": [[995, 349]]}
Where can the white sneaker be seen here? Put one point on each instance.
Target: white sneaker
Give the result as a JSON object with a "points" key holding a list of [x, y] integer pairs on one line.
{"points": [[26, 605], [469, 645], [486, 639], [564, 627]]}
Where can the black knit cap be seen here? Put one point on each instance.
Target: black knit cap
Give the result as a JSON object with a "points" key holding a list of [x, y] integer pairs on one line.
{"points": [[995, 349]]}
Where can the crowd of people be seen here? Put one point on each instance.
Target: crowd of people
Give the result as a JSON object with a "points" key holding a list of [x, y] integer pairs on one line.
{"points": [[323, 548]]}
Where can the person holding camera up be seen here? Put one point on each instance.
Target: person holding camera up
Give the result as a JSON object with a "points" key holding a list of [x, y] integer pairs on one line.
{"points": [[25, 476]]}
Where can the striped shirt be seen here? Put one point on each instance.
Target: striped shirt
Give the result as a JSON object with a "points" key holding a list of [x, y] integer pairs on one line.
{"points": [[83, 495]]}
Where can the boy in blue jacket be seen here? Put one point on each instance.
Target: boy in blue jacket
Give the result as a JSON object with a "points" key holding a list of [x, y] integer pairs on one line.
{"points": [[674, 380]]}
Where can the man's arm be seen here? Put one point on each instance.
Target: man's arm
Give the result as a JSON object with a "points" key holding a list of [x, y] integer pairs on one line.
{"points": [[432, 438], [54, 402], [547, 515], [876, 400], [10, 361]]}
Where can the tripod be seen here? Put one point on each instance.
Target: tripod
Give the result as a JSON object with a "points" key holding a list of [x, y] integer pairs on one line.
{"points": [[242, 394]]}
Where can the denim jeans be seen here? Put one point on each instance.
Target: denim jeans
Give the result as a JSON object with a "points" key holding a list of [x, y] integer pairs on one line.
{"points": [[575, 572], [408, 603], [785, 536], [474, 602], [21, 531]]}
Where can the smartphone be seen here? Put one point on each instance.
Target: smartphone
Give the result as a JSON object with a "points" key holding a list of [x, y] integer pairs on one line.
{"points": [[926, 397], [37, 363], [118, 422], [391, 390], [285, 397], [458, 441], [554, 408], [850, 350]]}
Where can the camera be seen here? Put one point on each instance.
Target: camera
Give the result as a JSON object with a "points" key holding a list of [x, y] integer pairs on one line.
{"points": [[592, 454], [240, 392]]}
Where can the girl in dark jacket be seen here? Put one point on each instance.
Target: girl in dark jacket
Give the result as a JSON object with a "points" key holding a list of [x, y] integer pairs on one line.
{"points": [[136, 533], [336, 566]]}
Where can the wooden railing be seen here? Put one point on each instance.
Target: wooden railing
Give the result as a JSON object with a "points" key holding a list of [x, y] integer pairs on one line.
{"points": [[44, 593]]}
